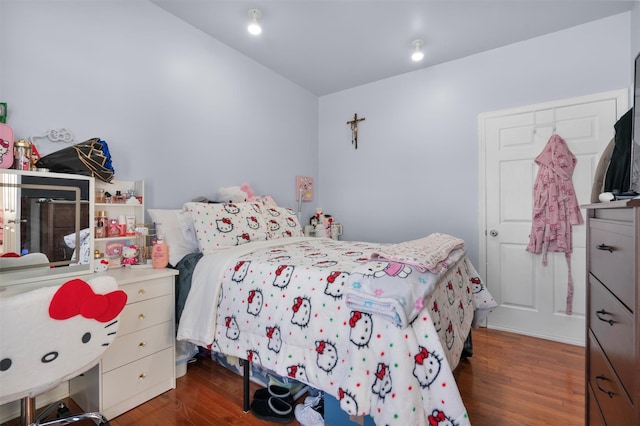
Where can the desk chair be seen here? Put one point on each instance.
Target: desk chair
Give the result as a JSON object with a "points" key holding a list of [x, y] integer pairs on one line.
{"points": [[51, 334]]}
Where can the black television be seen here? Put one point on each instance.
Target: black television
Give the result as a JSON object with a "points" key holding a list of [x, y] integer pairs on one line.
{"points": [[635, 131]]}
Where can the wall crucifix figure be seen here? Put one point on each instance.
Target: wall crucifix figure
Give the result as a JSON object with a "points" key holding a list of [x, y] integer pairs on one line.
{"points": [[354, 129]]}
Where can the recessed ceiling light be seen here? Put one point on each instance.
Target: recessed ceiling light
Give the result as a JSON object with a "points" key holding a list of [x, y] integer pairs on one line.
{"points": [[417, 54], [254, 26]]}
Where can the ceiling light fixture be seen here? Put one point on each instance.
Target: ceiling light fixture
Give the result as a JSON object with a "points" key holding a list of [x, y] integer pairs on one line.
{"points": [[417, 54], [254, 26]]}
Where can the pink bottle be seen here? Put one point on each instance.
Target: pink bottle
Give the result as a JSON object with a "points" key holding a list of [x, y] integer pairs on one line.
{"points": [[160, 254]]}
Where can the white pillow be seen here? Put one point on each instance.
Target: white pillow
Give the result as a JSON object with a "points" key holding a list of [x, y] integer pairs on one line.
{"points": [[282, 222], [171, 225], [219, 226]]}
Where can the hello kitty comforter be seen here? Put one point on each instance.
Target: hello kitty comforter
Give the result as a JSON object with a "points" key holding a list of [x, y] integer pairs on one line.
{"points": [[279, 303]]}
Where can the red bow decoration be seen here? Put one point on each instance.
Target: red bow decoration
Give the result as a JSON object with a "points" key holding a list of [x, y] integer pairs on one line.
{"points": [[227, 321], [435, 306], [355, 316], [298, 304], [251, 294], [226, 220], [249, 355], [340, 393], [270, 331], [475, 280], [420, 357], [293, 370], [280, 269], [382, 369], [439, 417], [239, 265], [76, 297], [320, 347], [245, 236], [333, 276]]}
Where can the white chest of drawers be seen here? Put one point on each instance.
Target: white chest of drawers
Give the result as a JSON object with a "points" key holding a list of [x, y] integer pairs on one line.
{"points": [[613, 320], [140, 364]]}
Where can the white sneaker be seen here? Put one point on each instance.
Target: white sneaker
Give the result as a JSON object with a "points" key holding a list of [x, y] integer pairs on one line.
{"points": [[313, 401], [307, 416]]}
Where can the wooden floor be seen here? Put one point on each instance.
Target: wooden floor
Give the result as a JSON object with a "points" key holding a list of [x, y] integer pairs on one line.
{"points": [[510, 380]]}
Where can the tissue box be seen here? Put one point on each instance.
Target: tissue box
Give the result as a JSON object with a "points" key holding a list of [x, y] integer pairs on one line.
{"points": [[334, 416]]}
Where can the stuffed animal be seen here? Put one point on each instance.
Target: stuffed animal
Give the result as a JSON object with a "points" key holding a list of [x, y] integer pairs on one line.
{"points": [[129, 255], [250, 192], [231, 194]]}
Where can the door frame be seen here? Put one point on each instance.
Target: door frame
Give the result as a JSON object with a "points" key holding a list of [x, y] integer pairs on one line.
{"points": [[622, 105]]}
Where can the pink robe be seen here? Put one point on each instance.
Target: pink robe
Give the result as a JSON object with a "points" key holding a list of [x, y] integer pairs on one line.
{"points": [[555, 206]]}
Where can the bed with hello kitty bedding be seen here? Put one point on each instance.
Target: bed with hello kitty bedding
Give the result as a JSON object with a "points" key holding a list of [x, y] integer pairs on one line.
{"points": [[378, 326]]}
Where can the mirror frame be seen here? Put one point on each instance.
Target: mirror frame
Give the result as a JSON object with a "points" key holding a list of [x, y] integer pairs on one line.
{"points": [[59, 268]]}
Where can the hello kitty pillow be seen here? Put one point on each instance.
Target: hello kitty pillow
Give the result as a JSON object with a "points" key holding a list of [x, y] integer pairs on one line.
{"points": [[282, 222], [219, 226]]}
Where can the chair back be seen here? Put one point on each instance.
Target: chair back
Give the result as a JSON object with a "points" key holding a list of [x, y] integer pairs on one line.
{"points": [[52, 334]]}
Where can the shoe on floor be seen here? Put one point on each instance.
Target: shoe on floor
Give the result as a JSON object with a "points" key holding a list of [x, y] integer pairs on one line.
{"points": [[307, 416], [274, 391], [272, 410]]}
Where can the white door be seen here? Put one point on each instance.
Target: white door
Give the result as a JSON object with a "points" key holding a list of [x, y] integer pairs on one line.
{"points": [[532, 298]]}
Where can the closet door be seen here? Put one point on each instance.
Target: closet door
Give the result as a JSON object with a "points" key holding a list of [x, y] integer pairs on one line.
{"points": [[531, 297]]}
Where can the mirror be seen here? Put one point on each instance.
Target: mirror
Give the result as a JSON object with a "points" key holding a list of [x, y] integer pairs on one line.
{"points": [[49, 214], [635, 138]]}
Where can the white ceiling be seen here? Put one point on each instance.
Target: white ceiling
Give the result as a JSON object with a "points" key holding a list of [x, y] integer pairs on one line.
{"points": [[330, 45]]}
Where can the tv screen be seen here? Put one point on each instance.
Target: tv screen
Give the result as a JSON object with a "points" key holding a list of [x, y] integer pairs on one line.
{"points": [[635, 138]]}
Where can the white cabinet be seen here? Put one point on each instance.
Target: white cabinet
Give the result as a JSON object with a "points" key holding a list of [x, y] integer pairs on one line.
{"points": [[140, 364]]}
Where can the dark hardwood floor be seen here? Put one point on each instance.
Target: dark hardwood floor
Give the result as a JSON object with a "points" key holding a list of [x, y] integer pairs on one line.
{"points": [[510, 380]]}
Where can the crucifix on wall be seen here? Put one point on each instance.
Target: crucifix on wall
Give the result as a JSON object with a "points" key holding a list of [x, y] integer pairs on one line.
{"points": [[354, 129]]}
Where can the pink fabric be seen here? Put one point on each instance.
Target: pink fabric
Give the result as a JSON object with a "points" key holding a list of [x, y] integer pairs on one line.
{"points": [[555, 206]]}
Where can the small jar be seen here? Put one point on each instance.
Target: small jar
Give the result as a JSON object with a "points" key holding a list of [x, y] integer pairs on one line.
{"points": [[22, 155], [100, 196]]}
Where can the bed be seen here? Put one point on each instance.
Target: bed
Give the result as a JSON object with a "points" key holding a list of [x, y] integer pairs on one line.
{"points": [[378, 326]]}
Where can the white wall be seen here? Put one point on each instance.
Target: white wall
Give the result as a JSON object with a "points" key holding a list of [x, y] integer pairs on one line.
{"points": [[416, 167], [178, 109], [635, 30]]}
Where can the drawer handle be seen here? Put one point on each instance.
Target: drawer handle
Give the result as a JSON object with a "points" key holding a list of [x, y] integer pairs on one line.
{"points": [[143, 376], [142, 344], [141, 316], [605, 247], [603, 312], [609, 393], [141, 292]]}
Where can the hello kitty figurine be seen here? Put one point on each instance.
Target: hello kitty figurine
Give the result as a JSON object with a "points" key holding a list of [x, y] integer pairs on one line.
{"points": [[129, 255]]}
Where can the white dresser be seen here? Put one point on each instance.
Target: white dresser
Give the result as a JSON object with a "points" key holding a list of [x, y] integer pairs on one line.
{"points": [[140, 364]]}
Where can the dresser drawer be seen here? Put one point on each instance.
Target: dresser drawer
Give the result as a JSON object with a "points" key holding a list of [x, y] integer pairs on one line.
{"points": [[137, 377], [611, 258], [139, 344], [595, 416], [148, 289], [137, 316], [612, 400], [617, 338]]}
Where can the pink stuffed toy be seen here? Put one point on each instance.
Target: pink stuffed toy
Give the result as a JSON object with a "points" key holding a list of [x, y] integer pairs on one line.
{"points": [[250, 192]]}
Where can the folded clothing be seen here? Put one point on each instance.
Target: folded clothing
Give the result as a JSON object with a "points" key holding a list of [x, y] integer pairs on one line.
{"points": [[394, 291], [425, 254]]}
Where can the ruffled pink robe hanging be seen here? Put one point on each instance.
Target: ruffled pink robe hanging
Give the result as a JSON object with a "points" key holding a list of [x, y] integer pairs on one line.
{"points": [[555, 206]]}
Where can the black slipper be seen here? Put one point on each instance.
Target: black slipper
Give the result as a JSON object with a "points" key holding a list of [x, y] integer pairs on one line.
{"points": [[275, 391], [272, 410]]}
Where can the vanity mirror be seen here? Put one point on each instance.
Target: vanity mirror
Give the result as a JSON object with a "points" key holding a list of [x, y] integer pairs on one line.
{"points": [[45, 213]]}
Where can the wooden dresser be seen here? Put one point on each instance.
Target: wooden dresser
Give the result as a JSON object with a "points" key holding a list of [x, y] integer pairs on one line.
{"points": [[613, 321], [140, 364]]}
